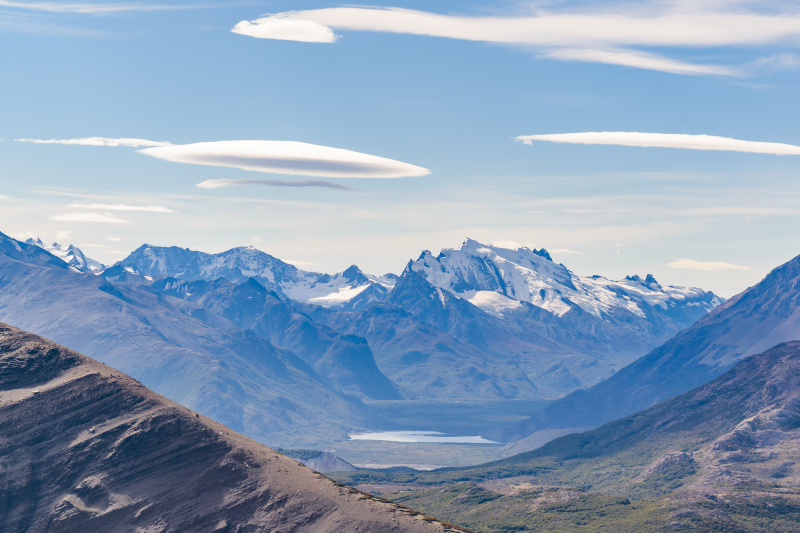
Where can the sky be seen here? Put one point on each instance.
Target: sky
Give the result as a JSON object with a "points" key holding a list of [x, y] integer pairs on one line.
{"points": [[625, 137]]}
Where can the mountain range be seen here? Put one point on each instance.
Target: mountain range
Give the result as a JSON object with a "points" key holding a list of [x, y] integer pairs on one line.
{"points": [[244, 337], [178, 349], [515, 343]]}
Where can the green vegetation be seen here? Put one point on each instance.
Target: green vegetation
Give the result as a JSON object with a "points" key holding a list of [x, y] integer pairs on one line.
{"points": [[299, 454], [553, 510]]}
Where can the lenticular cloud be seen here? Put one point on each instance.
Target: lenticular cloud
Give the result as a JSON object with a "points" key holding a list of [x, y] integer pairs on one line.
{"points": [[287, 157], [665, 140]]}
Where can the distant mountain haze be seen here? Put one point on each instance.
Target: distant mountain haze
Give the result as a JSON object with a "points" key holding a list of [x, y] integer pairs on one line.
{"points": [[177, 348], [287, 356]]}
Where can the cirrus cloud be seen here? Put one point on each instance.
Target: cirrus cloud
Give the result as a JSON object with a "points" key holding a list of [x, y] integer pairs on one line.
{"points": [[122, 207], [98, 141], [665, 140], [89, 217], [286, 157], [93, 8], [692, 264], [222, 183]]}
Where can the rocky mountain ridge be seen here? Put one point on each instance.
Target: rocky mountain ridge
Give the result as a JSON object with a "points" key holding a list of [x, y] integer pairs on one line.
{"points": [[86, 448]]}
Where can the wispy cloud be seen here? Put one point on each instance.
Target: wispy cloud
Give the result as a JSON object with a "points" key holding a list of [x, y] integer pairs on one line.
{"points": [[89, 217], [612, 34], [286, 157], [665, 140], [740, 211], [122, 207], [87, 8], [222, 183], [4, 197], [564, 251], [691, 264], [642, 60], [98, 141]]}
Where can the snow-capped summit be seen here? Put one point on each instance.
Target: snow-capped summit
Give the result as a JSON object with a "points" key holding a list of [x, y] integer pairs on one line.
{"points": [[498, 279], [71, 255], [239, 264]]}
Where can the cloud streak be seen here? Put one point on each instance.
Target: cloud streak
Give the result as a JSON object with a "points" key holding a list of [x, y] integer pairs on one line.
{"points": [[89, 217], [92, 8], [99, 141], [641, 60], [605, 35], [709, 266], [287, 157], [122, 207], [222, 183], [665, 140]]}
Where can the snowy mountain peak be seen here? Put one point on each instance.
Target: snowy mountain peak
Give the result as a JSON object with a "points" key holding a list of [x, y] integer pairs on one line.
{"points": [[71, 255], [490, 275], [240, 264]]}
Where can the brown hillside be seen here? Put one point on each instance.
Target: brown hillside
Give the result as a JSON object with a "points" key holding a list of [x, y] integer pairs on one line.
{"points": [[84, 448]]}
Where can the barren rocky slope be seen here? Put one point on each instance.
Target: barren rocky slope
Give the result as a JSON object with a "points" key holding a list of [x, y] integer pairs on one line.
{"points": [[85, 448]]}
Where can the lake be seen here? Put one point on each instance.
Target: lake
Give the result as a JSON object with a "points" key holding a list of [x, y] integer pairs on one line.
{"points": [[420, 436]]}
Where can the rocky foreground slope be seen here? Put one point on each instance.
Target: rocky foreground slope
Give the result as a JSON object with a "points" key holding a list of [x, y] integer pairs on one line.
{"points": [[85, 448]]}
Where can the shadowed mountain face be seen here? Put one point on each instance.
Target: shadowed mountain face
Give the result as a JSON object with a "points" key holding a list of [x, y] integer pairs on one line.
{"points": [[346, 360], [86, 448], [757, 319]]}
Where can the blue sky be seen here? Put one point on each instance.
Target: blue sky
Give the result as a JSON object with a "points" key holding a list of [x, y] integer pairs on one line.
{"points": [[445, 103]]}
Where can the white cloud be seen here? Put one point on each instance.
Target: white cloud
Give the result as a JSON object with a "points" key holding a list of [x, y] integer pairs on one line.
{"points": [[740, 210], [285, 157], [665, 140], [300, 264], [608, 34], [4, 197], [222, 183], [122, 207], [89, 217], [283, 27], [114, 239], [564, 251], [509, 245], [691, 264], [98, 141]]}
